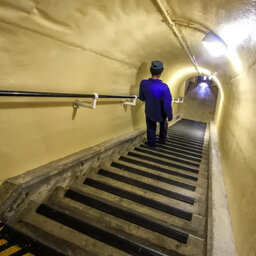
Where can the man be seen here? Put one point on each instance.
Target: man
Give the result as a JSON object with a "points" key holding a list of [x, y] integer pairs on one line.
{"points": [[158, 100]]}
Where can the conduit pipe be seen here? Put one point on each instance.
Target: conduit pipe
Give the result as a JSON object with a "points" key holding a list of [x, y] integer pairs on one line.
{"points": [[177, 33]]}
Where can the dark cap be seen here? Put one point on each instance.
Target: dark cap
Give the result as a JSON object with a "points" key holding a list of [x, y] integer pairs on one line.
{"points": [[157, 64]]}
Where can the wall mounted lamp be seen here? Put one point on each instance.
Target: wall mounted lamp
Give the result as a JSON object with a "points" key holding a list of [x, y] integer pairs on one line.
{"points": [[214, 44]]}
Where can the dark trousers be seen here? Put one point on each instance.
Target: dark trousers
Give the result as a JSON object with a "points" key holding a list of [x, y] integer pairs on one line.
{"points": [[151, 132]]}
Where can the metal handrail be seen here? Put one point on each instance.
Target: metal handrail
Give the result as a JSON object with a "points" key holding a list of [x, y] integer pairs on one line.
{"points": [[60, 95], [77, 103]]}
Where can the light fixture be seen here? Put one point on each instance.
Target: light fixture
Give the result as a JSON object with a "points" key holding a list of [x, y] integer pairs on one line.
{"points": [[214, 44]]}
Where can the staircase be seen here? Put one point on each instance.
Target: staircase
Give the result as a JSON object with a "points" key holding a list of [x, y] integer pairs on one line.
{"points": [[150, 201]]}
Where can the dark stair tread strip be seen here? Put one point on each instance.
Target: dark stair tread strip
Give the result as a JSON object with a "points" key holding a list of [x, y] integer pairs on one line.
{"points": [[151, 159], [188, 128], [193, 133], [114, 240], [153, 176], [186, 138], [186, 148], [15, 237], [157, 168], [6, 246], [146, 186], [139, 199], [179, 151], [173, 142], [198, 160], [129, 216], [21, 252], [185, 144], [185, 141], [166, 157]]}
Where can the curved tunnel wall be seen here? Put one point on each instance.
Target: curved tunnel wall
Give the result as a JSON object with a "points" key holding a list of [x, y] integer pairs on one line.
{"points": [[105, 47]]}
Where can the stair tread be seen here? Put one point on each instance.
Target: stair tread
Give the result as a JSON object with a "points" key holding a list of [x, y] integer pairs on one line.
{"points": [[148, 201], [65, 238], [154, 180], [199, 171], [179, 175], [111, 234], [167, 178], [195, 226], [127, 231]]}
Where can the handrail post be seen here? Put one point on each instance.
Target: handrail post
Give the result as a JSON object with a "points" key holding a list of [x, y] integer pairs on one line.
{"points": [[133, 103], [77, 103]]}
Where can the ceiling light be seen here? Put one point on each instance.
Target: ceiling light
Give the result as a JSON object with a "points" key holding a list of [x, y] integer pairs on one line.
{"points": [[214, 44]]}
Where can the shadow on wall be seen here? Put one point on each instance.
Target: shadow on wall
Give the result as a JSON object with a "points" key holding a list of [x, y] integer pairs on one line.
{"points": [[137, 112]]}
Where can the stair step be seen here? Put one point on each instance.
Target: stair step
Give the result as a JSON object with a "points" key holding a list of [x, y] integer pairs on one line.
{"points": [[173, 165], [162, 175], [158, 202], [186, 148], [151, 232], [109, 229], [140, 162], [147, 186], [92, 227], [193, 179], [196, 135], [63, 237], [149, 201], [166, 163], [198, 207], [186, 142], [195, 226], [176, 150], [185, 136], [23, 244], [202, 167], [128, 215], [152, 179], [185, 162], [185, 145], [172, 153]]}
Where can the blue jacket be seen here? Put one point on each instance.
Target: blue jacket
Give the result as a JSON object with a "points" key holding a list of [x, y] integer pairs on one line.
{"points": [[158, 99]]}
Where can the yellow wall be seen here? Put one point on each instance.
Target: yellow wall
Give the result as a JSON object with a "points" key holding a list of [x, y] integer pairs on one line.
{"points": [[72, 46], [36, 54], [238, 150], [86, 46]]}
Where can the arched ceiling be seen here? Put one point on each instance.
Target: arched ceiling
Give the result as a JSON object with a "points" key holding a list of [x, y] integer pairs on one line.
{"points": [[134, 32]]}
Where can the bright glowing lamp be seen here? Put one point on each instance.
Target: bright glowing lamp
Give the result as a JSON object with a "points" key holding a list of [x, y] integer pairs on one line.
{"points": [[214, 44]]}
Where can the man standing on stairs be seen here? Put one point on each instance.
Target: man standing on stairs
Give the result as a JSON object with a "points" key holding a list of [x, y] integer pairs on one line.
{"points": [[158, 103]]}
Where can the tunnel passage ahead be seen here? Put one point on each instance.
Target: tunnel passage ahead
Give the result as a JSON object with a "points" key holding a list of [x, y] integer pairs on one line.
{"points": [[200, 99]]}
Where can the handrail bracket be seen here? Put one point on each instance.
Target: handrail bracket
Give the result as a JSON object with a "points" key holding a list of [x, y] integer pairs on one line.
{"points": [[131, 103], [79, 104]]}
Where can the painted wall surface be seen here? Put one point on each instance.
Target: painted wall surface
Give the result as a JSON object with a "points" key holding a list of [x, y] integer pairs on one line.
{"points": [[238, 150], [74, 47], [86, 46]]}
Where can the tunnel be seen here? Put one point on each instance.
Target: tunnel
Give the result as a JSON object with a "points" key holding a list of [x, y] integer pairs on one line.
{"points": [[77, 176]]}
